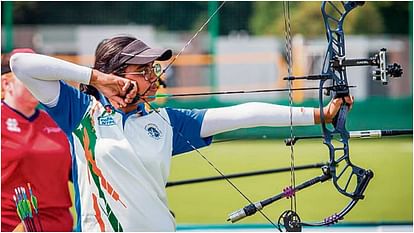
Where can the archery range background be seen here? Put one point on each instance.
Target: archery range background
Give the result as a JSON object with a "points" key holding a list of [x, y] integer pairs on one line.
{"points": [[243, 49]]}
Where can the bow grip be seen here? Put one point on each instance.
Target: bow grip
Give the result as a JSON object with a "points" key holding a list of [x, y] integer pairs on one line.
{"points": [[340, 118]]}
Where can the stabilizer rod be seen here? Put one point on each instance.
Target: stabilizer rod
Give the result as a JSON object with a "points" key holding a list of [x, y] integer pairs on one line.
{"points": [[358, 134], [245, 174], [287, 192]]}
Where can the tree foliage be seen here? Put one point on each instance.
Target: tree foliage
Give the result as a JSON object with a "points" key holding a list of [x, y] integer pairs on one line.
{"points": [[306, 18]]}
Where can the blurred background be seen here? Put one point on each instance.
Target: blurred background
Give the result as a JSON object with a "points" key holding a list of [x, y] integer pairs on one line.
{"points": [[242, 48]]}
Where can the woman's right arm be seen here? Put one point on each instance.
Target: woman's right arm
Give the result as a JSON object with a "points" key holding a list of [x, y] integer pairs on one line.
{"points": [[65, 104], [41, 75]]}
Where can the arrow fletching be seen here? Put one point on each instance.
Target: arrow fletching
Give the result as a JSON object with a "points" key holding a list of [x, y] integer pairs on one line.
{"points": [[33, 199]]}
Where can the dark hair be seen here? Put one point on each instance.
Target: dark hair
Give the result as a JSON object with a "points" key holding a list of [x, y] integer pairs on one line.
{"points": [[107, 53], [106, 59]]}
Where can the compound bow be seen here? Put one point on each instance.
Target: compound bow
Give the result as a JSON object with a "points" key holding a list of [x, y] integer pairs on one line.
{"points": [[350, 180]]}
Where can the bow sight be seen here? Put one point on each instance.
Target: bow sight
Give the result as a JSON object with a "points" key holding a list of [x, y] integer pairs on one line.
{"points": [[383, 71]]}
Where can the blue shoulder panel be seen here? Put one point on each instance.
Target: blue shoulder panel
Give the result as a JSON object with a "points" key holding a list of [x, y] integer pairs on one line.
{"points": [[186, 125], [70, 109]]}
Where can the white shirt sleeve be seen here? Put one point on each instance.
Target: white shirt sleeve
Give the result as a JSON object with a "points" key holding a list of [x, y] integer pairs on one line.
{"points": [[254, 114], [41, 75]]}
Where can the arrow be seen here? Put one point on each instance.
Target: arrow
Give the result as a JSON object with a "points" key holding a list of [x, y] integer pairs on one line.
{"points": [[235, 92], [22, 209], [35, 205], [28, 207], [19, 212]]}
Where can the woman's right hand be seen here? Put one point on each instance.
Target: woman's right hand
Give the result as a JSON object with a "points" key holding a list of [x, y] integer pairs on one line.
{"points": [[117, 89]]}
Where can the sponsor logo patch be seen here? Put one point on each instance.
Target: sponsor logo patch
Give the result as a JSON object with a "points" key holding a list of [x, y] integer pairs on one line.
{"points": [[13, 125], [106, 121], [51, 129]]}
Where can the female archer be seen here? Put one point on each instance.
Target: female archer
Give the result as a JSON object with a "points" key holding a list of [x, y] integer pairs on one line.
{"points": [[122, 151]]}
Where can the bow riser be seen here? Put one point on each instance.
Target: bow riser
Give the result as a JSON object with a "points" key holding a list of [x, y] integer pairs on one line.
{"points": [[350, 175]]}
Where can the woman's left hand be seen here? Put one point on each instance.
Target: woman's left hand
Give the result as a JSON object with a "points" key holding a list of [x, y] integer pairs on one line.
{"points": [[332, 109]]}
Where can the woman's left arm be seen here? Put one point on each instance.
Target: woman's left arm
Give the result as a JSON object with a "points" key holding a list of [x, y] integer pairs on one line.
{"points": [[254, 114]]}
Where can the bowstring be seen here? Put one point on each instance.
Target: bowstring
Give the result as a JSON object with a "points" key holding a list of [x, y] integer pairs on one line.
{"points": [[288, 45], [194, 36]]}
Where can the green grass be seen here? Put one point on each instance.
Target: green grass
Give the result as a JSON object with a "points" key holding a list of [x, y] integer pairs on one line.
{"points": [[389, 196]]}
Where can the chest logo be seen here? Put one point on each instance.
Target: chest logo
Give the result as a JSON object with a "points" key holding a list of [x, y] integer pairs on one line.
{"points": [[106, 120], [153, 131], [13, 125]]}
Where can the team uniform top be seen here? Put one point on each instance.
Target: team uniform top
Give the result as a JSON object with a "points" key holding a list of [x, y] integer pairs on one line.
{"points": [[122, 161], [32, 149]]}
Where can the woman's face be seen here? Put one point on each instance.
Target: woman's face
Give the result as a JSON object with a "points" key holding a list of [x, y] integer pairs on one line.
{"points": [[145, 78]]}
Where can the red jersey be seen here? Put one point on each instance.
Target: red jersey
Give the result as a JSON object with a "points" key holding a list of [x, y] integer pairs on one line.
{"points": [[35, 150]]}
